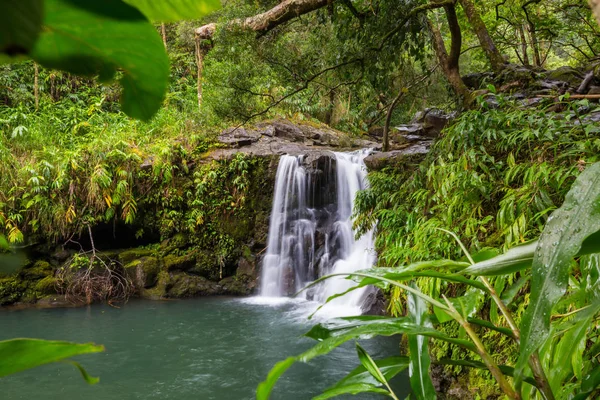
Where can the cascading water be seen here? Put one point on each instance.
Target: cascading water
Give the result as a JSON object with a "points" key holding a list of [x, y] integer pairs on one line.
{"points": [[310, 232]]}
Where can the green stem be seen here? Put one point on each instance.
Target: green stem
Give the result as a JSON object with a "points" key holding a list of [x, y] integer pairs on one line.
{"points": [[485, 356]]}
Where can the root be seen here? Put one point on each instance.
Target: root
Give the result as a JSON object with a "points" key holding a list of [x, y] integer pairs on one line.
{"points": [[87, 277]]}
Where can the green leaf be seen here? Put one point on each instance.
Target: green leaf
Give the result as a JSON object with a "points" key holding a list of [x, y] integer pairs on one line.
{"points": [[351, 389], [21, 354], [515, 259], [369, 364], [175, 10], [561, 240], [420, 381], [99, 37], [360, 380], [4, 243], [20, 26], [334, 334]]}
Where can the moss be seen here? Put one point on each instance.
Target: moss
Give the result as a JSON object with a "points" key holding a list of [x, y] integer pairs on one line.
{"points": [[126, 257], [46, 286], [173, 262], [185, 285], [143, 272], [207, 265], [39, 270], [10, 291], [160, 290]]}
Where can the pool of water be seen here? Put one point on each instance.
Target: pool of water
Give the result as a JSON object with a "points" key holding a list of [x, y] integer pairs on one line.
{"points": [[206, 348]]}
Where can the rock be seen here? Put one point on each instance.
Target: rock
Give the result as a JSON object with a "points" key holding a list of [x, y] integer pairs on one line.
{"points": [[516, 73], [239, 137], [285, 129], [206, 265], [566, 74], [185, 285], [477, 80], [46, 286], [377, 303], [594, 90], [58, 301], [173, 262], [375, 132], [409, 157], [127, 256], [39, 270], [10, 291], [143, 272], [61, 254]]}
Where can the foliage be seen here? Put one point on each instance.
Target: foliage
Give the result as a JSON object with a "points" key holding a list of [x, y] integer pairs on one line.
{"points": [[494, 177], [571, 315], [20, 354]]}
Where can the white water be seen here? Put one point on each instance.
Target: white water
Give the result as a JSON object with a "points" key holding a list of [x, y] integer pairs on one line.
{"points": [[311, 235]]}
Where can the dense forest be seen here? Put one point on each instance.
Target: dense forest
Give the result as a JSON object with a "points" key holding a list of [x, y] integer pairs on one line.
{"points": [[140, 145]]}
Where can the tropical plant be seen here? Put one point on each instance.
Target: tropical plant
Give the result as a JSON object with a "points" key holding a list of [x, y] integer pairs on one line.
{"points": [[557, 336]]}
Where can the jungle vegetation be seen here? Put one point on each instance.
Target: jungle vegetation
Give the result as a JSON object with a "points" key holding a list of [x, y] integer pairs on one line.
{"points": [[488, 253]]}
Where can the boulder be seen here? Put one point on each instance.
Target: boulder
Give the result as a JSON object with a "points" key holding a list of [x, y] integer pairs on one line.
{"points": [[407, 157], [127, 256], [570, 75], [185, 285], [143, 272], [173, 262]]}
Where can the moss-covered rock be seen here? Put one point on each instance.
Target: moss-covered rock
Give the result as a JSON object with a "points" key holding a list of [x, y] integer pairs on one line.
{"points": [[178, 241], [184, 262], [186, 285], [207, 265], [143, 272], [160, 290], [46, 286], [566, 74], [128, 256], [10, 291], [38, 270]]}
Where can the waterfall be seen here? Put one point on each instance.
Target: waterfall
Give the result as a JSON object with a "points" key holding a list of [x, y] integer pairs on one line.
{"points": [[310, 231]]}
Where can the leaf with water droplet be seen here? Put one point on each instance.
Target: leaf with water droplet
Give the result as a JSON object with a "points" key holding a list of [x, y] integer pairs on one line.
{"points": [[571, 225]]}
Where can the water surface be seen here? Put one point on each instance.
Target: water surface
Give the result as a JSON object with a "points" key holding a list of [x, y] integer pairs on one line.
{"points": [[206, 348]]}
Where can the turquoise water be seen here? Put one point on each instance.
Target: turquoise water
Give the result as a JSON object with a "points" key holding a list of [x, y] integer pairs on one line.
{"points": [[207, 348]]}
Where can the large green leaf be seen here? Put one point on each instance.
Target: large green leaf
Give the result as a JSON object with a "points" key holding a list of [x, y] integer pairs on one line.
{"points": [[515, 259], [418, 371], [521, 257], [569, 348], [561, 240], [20, 25], [355, 388], [175, 10], [332, 335], [20, 354], [99, 37]]}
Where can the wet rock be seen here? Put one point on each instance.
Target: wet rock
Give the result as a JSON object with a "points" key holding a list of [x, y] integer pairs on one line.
{"points": [[127, 256], [173, 262], [594, 90], [377, 304], [407, 157], [477, 80], [238, 137], [46, 286], [570, 75], [185, 285], [143, 272]]}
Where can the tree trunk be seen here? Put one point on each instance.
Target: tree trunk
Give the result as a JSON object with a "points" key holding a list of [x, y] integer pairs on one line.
{"points": [[537, 60], [388, 119], [487, 44], [449, 62], [523, 45], [281, 13], [163, 31], [200, 66], [36, 85]]}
